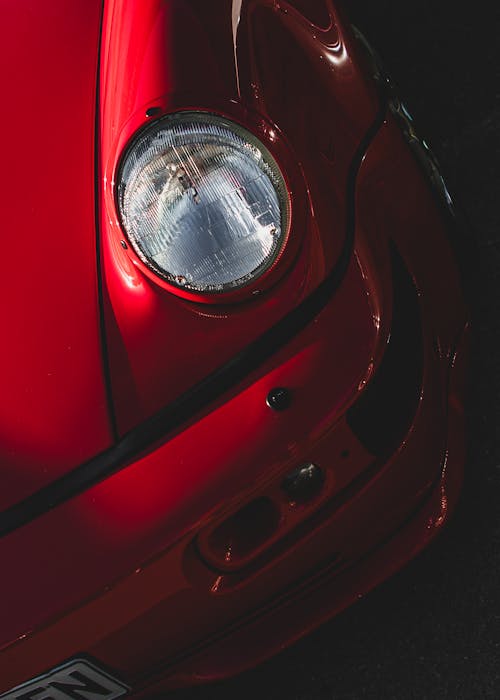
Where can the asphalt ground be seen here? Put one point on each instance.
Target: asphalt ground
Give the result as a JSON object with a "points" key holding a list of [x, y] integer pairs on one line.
{"points": [[433, 630]]}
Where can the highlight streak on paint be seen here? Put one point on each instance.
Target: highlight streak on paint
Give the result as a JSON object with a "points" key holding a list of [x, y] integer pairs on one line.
{"points": [[236, 16]]}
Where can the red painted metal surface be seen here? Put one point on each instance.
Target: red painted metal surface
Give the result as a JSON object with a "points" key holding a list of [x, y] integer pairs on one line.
{"points": [[121, 570], [216, 56], [141, 510], [53, 410]]}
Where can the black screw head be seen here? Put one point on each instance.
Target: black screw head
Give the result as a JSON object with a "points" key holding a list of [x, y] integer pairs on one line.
{"points": [[153, 111], [279, 399]]}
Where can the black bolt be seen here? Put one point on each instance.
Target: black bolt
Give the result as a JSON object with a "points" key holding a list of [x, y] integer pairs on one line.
{"points": [[153, 111], [279, 399], [304, 483], [123, 245]]}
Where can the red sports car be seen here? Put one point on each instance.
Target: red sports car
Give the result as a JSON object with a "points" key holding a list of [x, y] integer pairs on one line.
{"points": [[235, 337]]}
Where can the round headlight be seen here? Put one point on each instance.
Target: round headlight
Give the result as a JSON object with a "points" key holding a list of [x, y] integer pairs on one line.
{"points": [[203, 202]]}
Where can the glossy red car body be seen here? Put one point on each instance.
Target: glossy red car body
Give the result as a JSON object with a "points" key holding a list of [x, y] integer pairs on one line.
{"points": [[143, 518]]}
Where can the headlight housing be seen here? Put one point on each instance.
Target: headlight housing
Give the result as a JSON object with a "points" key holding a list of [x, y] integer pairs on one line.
{"points": [[203, 203]]}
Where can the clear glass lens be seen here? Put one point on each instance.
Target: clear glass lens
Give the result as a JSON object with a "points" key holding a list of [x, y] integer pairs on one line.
{"points": [[203, 203]]}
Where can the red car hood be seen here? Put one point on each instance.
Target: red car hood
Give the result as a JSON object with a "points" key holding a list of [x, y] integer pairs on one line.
{"points": [[53, 412]]}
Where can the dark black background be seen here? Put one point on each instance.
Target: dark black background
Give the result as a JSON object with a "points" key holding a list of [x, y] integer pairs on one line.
{"points": [[433, 631]]}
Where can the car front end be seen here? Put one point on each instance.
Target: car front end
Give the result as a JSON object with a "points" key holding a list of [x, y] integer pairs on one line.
{"points": [[279, 445]]}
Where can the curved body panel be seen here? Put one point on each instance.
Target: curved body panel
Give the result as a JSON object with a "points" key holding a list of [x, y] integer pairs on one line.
{"points": [[53, 411]]}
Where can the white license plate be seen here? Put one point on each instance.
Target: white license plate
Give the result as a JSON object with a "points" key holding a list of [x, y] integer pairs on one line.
{"points": [[75, 680]]}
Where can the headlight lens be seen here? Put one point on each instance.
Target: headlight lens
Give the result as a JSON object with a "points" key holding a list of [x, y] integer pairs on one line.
{"points": [[203, 202]]}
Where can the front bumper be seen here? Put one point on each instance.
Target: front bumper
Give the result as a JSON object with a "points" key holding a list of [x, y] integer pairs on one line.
{"points": [[335, 581], [176, 620]]}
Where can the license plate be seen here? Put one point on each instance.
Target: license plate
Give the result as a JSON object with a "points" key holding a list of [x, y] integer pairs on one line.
{"points": [[76, 680]]}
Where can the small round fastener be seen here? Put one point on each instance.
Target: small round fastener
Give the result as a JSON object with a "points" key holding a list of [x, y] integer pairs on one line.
{"points": [[279, 399], [153, 111], [304, 483]]}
